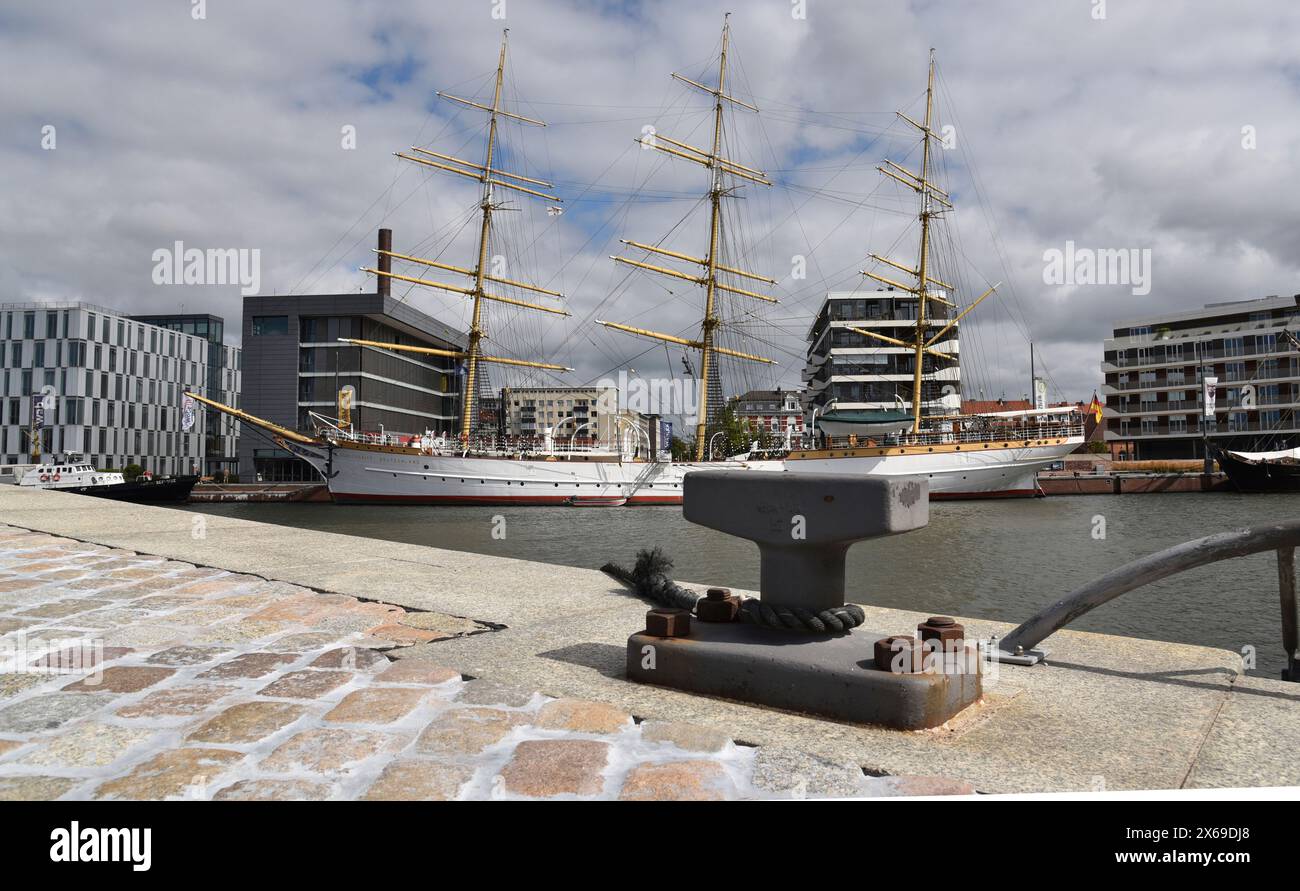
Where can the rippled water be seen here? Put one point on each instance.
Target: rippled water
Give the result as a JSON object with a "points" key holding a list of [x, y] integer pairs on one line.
{"points": [[991, 559]]}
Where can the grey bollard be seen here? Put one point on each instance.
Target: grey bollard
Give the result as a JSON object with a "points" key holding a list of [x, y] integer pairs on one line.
{"points": [[829, 511]]}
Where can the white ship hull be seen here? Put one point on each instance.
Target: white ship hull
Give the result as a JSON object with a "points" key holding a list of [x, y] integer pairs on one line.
{"points": [[366, 476], [362, 476], [995, 472]]}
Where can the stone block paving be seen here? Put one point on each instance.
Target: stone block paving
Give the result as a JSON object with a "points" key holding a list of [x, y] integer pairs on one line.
{"points": [[129, 676]]}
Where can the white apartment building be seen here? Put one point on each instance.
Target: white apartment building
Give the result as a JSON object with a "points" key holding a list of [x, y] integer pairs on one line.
{"points": [[570, 411], [859, 372], [112, 387], [1154, 370]]}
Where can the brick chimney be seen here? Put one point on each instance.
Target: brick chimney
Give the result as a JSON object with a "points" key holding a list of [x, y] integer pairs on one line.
{"points": [[383, 284]]}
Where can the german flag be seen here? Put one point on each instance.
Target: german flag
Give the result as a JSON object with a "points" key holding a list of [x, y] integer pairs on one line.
{"points": [[1095, 407]]}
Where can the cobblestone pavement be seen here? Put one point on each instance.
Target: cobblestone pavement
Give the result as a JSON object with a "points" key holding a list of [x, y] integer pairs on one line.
{"points": [[129, 676]]}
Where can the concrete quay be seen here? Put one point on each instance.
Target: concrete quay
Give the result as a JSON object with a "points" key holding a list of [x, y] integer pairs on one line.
{"points": [[217, 493], [1119, 483], [546, 711]]}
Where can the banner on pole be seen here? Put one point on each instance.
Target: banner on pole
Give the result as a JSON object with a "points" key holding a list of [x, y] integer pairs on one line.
{"points": [[1211, 392]]}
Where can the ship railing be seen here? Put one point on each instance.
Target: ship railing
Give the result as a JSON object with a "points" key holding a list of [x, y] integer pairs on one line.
{"points": [[1008, 433]]}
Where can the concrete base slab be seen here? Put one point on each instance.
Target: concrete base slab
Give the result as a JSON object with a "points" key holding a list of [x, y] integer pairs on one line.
{"points": [[820, 674]]}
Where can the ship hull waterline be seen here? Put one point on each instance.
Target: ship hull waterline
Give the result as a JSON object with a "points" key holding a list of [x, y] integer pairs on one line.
{"points": [[357, 476]]}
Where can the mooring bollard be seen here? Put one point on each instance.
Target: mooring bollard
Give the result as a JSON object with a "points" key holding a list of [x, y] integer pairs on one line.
{"points": [[803, 524], [799, 645]]}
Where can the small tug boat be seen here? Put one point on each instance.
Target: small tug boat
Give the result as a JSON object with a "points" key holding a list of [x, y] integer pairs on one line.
{"points": [[72, 474]]}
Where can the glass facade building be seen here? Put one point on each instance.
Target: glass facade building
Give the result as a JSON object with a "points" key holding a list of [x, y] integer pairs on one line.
{"points": [[221, 432]]}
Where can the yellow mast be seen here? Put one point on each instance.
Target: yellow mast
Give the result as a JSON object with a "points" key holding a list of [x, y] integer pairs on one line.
{"points": [[491, 179], [717, 166], [475, 325], [930, 194], [922, 266], [715, 204]]}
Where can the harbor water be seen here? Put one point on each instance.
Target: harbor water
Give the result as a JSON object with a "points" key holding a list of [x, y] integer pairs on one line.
{"points": [[998, 560]]}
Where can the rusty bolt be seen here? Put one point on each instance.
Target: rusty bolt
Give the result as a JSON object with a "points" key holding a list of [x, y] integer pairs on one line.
{"points": [[906, 650], [719, 605], [668, 623], [942, 629]]}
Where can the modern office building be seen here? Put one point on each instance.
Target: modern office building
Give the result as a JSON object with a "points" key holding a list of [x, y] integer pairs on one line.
{"points": [[110, 387], [1155, 370], [859, 372], [221, 454], [772, 413], [294, 367]]}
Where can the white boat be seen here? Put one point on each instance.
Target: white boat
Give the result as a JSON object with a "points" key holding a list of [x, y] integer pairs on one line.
{"points": [[72, 474]]}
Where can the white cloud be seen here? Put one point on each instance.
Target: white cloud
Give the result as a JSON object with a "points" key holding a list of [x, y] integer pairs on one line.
{"points": [[1123, 133]]}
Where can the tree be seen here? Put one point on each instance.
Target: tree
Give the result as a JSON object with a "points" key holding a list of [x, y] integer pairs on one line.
{"points": [[131, 471], [737, 433]]}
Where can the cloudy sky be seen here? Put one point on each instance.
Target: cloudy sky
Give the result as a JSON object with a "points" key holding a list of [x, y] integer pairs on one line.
{"points": [[1162, 126]]}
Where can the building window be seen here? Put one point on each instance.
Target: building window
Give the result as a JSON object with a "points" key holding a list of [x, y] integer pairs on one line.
{"points": [[269, 325]]}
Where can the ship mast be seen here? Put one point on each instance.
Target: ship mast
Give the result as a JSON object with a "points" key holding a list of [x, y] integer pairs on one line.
{"points": [[717, 166], [929, 194], [491, 179]]}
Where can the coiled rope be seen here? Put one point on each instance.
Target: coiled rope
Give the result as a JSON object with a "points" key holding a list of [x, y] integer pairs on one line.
{"points": [[649, 580]]}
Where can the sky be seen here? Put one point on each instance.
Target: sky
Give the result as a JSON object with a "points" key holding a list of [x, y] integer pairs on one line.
{"points": [[1164, 128]]}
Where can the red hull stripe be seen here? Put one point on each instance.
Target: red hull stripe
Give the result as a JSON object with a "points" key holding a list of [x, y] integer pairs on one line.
{"points": [[351, 498], [489, 499], [1006, 493]]}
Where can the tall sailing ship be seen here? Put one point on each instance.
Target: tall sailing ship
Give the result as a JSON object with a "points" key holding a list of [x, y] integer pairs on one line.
{"points": [[962, 456], [984, 455]]}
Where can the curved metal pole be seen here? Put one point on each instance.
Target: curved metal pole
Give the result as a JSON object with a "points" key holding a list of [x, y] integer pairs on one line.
{"points": [[574, 436], [713, 437], [1282, 537], [637, 428]]}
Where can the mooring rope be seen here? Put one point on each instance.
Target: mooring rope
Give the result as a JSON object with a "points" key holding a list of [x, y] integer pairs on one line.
{"points": [[649, 580], [837, 618]]}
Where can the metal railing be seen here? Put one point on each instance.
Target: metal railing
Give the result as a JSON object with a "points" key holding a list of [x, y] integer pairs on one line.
{"points": [[1282, 538], [966, 433]]}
